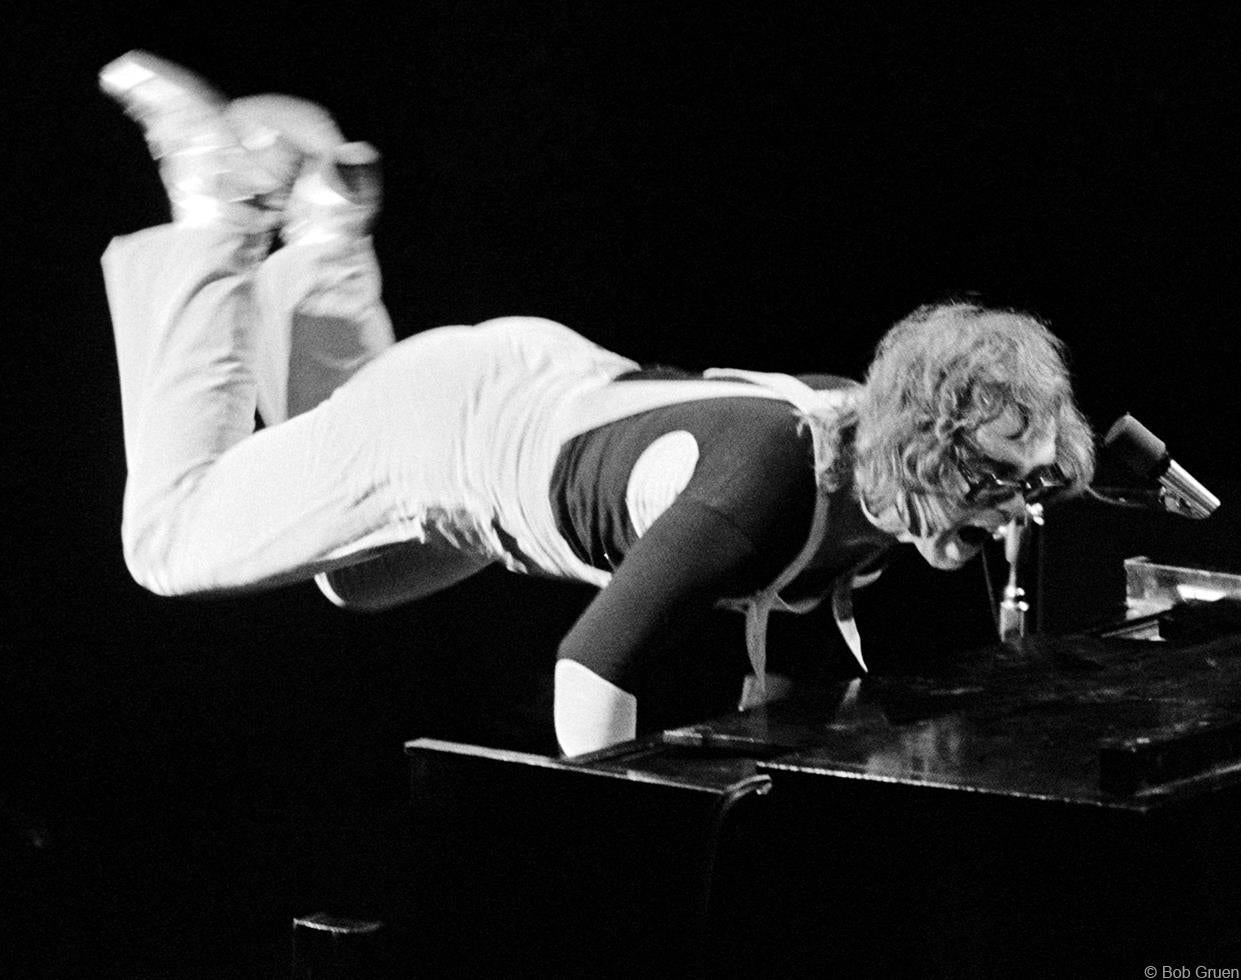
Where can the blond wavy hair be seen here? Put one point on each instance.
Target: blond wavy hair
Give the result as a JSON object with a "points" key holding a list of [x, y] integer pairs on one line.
{"points": [[938, 376]]}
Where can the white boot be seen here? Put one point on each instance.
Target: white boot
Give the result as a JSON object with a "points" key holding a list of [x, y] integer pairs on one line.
{"points": [[331, 190], [337, 199], [210, 177]]}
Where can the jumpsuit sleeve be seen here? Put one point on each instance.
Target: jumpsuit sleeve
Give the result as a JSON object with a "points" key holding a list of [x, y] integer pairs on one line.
{"points": [[690, 557]]}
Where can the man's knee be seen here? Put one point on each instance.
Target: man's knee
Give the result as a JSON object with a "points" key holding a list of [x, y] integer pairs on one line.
{"points": [[144, 545], [336, 587], [401, 574]]}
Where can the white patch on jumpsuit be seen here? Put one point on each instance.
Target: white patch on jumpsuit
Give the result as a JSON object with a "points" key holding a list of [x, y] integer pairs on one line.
{"points": [[662, 471]]}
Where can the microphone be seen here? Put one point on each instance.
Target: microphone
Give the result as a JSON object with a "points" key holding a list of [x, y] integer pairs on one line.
{"points": [[1148, 457]]}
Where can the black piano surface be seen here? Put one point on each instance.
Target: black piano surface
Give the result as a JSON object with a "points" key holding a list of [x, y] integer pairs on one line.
{"points": [[1063, 803], [1118, 724]]}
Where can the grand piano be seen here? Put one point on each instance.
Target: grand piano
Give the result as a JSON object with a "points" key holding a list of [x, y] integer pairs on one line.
{"points": [[1051, 804]]}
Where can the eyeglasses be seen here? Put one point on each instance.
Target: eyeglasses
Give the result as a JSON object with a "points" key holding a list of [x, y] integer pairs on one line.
{"points": [[986, 488]]}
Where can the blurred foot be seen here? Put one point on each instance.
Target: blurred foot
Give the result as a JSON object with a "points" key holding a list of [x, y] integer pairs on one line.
{"points": [[210, 177], [336, 199], [286, 135]]}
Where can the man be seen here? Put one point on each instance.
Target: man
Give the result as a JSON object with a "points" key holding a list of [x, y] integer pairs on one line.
{"points": [[389, 471]]}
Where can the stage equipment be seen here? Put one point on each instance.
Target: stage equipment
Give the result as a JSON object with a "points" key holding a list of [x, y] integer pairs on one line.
{"points": [[1147, 456]]}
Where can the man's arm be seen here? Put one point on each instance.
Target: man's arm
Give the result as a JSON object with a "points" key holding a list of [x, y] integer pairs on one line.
{"points": [[690, 557]]}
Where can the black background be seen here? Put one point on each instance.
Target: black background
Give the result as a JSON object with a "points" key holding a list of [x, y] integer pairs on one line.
{"points": [[759, 185]]}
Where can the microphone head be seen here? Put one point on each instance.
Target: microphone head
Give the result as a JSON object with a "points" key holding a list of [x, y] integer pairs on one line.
{"points": [[1137, 447]]}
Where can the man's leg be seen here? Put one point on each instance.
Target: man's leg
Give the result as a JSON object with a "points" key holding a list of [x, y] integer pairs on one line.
{"points": [[323, 319], [321, 316], [210, 505]]}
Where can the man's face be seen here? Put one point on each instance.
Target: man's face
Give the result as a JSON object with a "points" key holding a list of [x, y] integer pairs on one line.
{"points": [[1005, 449]]}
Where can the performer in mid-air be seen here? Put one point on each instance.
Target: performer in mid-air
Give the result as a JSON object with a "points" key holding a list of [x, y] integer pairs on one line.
{"points": [[387, 471]]}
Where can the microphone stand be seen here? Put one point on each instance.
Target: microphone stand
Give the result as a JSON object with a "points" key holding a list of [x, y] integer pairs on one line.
{"points": [[1014, 606]]}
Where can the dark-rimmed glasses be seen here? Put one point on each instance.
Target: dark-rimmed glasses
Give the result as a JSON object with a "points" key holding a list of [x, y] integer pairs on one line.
{"points": [[987, 488]]}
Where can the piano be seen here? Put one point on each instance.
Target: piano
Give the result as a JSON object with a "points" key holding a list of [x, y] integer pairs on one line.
{"points": [[1054, 803]]}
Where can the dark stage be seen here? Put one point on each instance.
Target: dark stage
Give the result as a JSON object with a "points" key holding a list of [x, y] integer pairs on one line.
{"points": [[758, 185]]}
